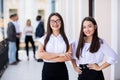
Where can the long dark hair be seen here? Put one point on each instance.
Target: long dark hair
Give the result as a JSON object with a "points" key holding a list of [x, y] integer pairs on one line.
{"points": [[49, 30], [95, 44]]}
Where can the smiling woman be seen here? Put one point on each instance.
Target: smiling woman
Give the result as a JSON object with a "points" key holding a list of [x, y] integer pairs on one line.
{"points": [[90, 51], [54, 57]]}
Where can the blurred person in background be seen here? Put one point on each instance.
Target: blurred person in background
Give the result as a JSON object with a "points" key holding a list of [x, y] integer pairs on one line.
{"points": [[11, 36], [29, 38], [40, 31]]}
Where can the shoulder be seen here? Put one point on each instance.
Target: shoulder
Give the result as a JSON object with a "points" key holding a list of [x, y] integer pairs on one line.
{"points": [[10, 23], [41, 21], [101, 40], [104, 44]]}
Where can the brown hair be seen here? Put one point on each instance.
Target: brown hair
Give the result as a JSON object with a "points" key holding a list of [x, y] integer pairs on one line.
{"points": [[49, 30]]}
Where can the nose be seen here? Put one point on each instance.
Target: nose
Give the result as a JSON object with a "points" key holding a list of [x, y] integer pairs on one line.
{"points": [[86, 29]]}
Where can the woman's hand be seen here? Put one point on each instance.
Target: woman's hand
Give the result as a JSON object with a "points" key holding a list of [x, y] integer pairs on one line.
{"points": [[78, 69], [97, 67], [94, 67], [67, 55]]}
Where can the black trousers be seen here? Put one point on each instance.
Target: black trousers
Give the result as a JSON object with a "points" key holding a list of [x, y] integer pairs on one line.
{"points": [[88, 74], [27, 40], [17, 47], [55, 71]]}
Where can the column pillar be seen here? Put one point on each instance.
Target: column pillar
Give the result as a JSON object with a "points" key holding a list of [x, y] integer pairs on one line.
{"points": [[114, 36], [1, 8], [1, 20]]}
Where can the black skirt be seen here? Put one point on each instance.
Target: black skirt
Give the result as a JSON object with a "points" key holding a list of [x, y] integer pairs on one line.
{"points": [[54, 71], [88, 74]]}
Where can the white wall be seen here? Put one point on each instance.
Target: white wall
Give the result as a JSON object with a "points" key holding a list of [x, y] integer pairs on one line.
{"points": [[72, 12], [106, 14], [103, 18], [116, 24]]}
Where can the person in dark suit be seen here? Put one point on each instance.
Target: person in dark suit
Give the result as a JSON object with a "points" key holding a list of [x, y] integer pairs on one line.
{"points": [[11, 36], [40, 31], [40, 27]]}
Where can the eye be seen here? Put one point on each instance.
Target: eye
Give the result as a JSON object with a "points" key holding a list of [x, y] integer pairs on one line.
{"points": [[84, 27], [58, 21], [89, 26]]}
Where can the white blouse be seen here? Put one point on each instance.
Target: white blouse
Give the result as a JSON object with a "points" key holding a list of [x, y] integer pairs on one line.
{"points": [[55, 44], [87, 57], [27, 29]]}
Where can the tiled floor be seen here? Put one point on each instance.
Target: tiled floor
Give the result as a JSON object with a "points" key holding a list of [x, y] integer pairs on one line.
{"points": [[30, 70]]}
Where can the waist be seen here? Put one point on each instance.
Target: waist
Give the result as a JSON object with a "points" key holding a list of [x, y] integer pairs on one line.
{"points": [[55, 63], [17, 33], [83, 66], [49, 61]]}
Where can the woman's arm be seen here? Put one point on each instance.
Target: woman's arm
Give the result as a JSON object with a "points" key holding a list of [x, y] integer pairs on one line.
{"points": [[64, 56], [99, 67], [76, 68], [53, 56], [44, 55]]}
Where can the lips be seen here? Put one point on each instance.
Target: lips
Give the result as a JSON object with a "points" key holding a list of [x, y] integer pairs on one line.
{"points": [[88, 32]]}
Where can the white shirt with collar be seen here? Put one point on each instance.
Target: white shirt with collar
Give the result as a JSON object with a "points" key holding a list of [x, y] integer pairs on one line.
{"points": [[87, 57], [55, 44], [17, 27]]}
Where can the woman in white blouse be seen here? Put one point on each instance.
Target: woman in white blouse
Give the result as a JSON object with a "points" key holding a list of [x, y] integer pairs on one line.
{"points": [[29, 37], [55, 49], [89, 51]]}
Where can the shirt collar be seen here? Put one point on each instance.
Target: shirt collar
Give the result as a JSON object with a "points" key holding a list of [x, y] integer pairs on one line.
{"points": [[59, 36]]}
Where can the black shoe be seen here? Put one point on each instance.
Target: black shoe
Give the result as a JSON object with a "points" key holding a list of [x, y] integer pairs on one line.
{"points": [[34, 57], [39, 60], [18, 60], [14, 63]]}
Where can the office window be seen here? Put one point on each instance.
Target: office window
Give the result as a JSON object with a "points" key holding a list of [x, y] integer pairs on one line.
{"points": [[12, 11]]}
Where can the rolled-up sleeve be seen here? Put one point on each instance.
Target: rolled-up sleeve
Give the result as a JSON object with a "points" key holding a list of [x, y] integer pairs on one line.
{"points": [[110, 55]]}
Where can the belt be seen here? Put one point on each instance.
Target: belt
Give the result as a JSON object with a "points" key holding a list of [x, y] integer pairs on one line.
{"points": [[83, 66], [17, 33]]}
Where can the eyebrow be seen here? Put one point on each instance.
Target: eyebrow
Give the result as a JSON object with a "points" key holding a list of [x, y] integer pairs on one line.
{"points": [[55, 20]]}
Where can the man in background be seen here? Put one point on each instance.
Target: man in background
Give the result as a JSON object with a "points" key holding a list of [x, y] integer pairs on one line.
{"points": [[11, 36], [40, 31]]}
